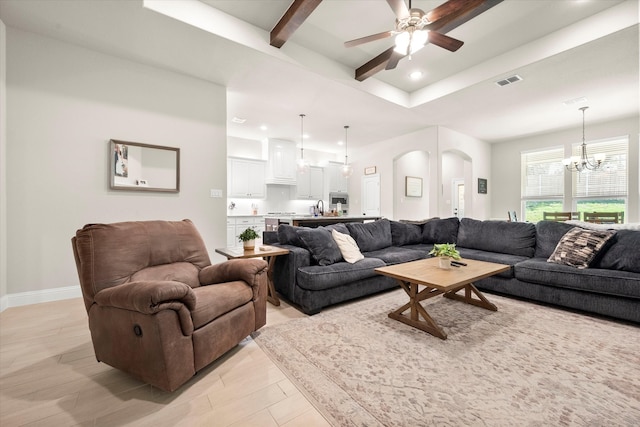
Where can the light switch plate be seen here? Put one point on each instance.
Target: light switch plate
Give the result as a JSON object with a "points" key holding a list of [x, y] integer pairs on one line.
{"points": [[216, 193]]}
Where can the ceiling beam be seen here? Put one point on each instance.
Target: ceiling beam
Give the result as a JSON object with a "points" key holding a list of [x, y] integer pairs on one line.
{"points": [[445, 24], [297, 13]]}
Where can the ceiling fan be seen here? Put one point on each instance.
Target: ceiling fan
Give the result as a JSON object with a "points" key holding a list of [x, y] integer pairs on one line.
{"points": [[414, 28]]}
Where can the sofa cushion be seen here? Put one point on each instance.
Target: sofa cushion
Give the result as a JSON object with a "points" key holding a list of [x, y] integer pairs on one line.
{"points": [[496, 257], [515, 238], [623, 253], [183, 272], [348, 247], [579, 247], [441, 230], [371, 236], [288, 235], [395, 255], [316, 277], [405, 233], [213, 301], [548, 234], [611, 282], [320, 243]]}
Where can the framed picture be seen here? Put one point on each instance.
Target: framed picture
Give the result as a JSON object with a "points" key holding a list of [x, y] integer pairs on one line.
{"points": [[412, 186], [482, 186], [370, 170]]}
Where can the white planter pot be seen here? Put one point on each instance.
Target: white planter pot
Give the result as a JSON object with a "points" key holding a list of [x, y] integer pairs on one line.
{"points": [[249, 245], [444, 262]]}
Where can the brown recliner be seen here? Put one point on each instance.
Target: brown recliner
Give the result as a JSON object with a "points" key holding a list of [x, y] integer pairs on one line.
{"points": [[157, 308]]}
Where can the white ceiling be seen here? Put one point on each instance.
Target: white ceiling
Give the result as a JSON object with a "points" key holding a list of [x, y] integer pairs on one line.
{"points": [[563, 49]]}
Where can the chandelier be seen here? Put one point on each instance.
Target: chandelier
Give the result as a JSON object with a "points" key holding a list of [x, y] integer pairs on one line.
{"points": [[301, 165], [583, 162], [347, 170]]}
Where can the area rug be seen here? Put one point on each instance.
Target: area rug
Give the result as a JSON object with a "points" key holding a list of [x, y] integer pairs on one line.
{"points": [[524, 365]]}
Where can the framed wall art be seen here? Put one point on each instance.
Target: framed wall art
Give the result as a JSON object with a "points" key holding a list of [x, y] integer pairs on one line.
{"points": [[412, 186], [482, 186]]}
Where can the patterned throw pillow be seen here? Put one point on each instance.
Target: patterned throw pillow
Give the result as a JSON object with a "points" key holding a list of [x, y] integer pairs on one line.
{"points": [[579, 247]]}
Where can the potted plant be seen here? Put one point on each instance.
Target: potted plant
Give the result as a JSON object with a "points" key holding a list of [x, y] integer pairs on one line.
{"points": [[445, 251], [248, 238]]}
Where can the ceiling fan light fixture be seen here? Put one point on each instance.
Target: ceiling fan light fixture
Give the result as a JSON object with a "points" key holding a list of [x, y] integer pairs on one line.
{"points": [[411, 41]]}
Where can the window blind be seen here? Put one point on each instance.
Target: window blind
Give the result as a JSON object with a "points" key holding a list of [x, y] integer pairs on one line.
{"points": [[611, 179], [542, 174]]}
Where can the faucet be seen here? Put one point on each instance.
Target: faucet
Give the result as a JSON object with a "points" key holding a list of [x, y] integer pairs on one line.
{"points": [[320, 210]]}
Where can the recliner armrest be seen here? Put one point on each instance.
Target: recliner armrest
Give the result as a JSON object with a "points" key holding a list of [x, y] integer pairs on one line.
{"points": [[146, 296], [152, 296], [246, 269]]}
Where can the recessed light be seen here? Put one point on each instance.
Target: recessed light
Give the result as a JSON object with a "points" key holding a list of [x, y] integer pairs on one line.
{"points": [[263, 127], [340, 142], [238, 120], [416, 75], [574, 101]]}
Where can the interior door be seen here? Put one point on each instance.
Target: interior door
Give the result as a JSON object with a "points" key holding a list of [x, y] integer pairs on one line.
{"points": [[457, 188], [371, 195]]}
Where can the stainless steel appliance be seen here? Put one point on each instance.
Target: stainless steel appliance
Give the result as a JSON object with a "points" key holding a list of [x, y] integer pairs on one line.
{"points": [[341, 199]]}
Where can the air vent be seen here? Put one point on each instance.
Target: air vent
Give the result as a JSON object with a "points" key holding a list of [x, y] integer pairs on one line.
{"points": [[509, 80]]}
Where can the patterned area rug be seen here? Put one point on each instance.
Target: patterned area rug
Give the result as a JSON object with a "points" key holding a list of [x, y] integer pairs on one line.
{"points": [[524, 365]]}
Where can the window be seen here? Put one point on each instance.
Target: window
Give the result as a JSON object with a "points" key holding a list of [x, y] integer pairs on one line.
{"points": [[603, 190], [542, 183]]}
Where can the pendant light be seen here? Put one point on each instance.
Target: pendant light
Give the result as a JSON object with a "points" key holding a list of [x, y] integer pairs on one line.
{"points": [[347, 170], [302, 166], [583, 162]]}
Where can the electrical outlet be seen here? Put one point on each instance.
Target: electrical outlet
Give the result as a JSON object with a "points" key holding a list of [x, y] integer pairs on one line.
{"points": [[216, 193]]}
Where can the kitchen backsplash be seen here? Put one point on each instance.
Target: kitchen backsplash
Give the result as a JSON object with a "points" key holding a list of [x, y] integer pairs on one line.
{"points": [[277, 200]]}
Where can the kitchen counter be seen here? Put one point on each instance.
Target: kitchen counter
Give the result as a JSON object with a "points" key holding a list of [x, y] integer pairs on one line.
{"points": [[317, 221]]}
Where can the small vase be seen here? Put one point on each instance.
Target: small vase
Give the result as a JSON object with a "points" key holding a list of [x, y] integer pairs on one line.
{"points": [[249, 245], [444, 262]]}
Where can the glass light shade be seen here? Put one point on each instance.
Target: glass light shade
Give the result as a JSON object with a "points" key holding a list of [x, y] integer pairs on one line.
{"points": [[566, 161], [347, 170], [302, 166], [420, 38], [599, 157], [402, 42]]}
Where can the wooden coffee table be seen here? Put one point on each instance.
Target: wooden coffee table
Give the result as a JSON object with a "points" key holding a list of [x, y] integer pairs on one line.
{"points": [[437, 281], [269, 253]]}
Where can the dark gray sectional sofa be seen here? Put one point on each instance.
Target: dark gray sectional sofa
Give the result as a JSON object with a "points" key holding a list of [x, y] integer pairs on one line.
{"points": [[312, 276]]}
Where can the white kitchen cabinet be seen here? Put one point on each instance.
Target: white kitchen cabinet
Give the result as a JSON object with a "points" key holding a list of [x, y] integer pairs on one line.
{"points": [[310, 185], [338, 183], [246, 178], [237, 224], [281, 167]]}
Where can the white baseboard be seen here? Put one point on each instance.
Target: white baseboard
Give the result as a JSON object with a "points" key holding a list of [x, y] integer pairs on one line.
{"points": [[35, 297]]}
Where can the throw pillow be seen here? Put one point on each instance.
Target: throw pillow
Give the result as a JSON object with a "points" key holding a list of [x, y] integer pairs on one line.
{"points": [[320, 243], [405, 233], [579, 247], [348, 247], [371, 236]]}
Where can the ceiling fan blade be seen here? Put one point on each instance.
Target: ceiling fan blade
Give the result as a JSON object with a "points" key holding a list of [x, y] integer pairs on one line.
{"points": [[399, 8], [393, 61], [373, 66], [450, 7], [445, 42], [367, 39]]}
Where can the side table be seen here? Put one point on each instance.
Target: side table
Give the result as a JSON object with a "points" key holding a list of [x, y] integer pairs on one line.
{"points": [[269, 253]]}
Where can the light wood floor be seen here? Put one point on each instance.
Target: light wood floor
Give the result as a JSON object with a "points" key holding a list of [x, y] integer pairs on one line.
{"points": [[49, 377]]}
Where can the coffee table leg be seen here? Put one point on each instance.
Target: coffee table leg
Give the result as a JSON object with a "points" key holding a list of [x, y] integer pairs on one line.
{"points": [[427, 323], [272, 297], [469, 291]]}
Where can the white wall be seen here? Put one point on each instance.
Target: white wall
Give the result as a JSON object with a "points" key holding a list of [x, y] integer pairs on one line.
{"points": [[3, 168], [414, 164], [383, 156], [478, 153], [65, 103], [505, 177]]}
